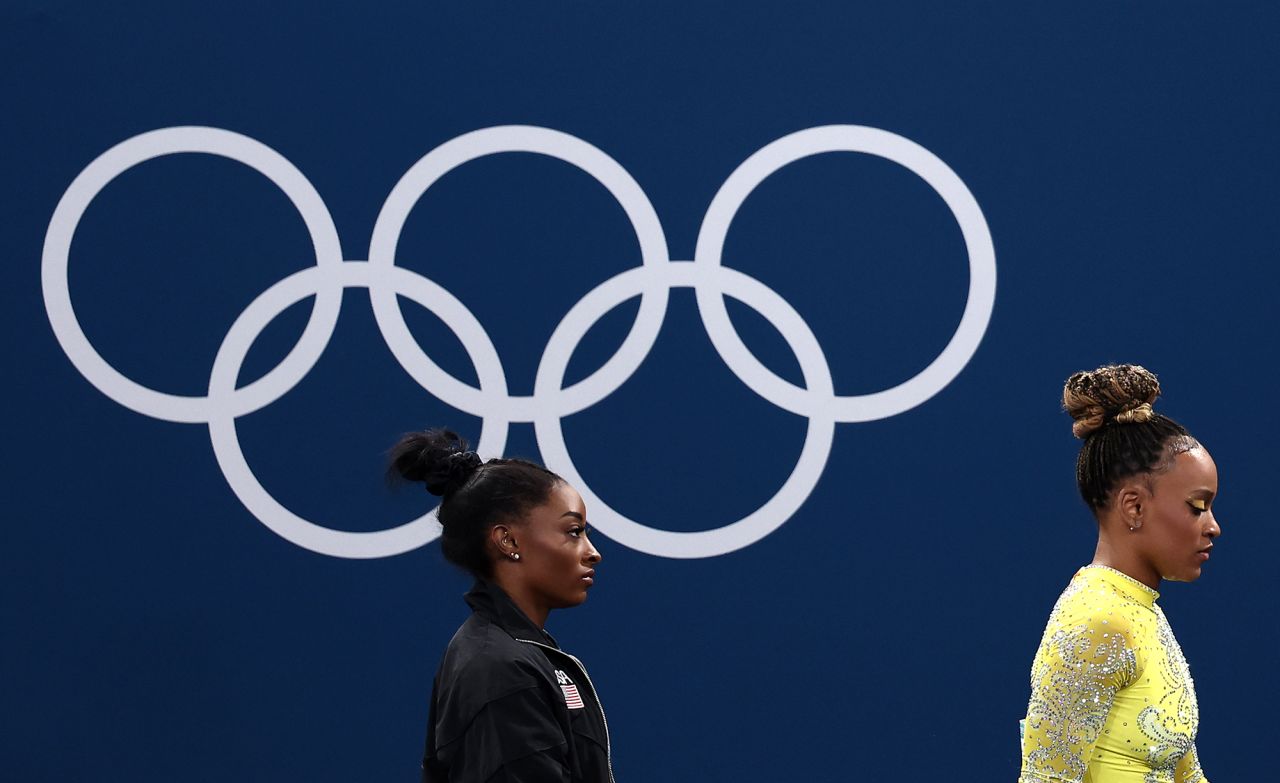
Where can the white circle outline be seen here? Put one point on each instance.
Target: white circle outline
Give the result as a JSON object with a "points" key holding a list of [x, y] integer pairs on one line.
{"points": [[226, 368], [170, 141], [551, 143], [813, 455], [915, 158]]}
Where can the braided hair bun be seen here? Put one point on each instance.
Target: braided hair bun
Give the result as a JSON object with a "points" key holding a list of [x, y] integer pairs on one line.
{"points": [[1123, 436], [1116, 393]]}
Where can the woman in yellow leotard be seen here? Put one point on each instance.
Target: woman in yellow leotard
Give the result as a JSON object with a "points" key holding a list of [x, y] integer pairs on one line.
{"points": [[1112, 699]]}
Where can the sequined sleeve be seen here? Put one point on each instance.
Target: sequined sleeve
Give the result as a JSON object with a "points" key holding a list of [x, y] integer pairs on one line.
{"points": [[1189, 768], [1084, 659]]}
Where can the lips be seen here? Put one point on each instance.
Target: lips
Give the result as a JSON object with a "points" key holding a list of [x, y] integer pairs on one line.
{"points": [[1203, 554], [589, 577]]}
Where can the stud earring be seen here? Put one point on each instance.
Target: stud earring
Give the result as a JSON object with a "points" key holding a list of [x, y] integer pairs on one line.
{"points": [[515, 555]]}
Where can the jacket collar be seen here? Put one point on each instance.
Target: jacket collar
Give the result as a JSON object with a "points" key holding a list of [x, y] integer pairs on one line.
{"points": [[492, 603]]}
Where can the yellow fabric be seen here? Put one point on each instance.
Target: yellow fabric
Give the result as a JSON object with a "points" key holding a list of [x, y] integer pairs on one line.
{"points": [[1112, 699]]}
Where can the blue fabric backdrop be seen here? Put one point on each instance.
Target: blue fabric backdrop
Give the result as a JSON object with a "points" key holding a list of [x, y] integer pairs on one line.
{"points": [[156, 628]]}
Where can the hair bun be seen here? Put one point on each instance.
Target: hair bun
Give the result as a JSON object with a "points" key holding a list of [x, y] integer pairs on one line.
{"points": [[1119, 393], [438, 458]]}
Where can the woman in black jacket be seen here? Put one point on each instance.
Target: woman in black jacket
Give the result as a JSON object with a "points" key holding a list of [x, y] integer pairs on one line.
{"points": [[508, 705]]}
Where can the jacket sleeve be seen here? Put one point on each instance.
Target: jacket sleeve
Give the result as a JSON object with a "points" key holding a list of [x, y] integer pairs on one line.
{"points": [[536, 768], [513, 739], [1079, 668]]}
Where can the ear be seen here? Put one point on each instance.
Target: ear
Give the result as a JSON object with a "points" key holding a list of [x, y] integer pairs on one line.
{"points": [[503, 539], [1131, 500]]}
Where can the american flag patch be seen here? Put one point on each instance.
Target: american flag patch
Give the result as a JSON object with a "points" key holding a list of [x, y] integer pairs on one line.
{"points": [[571, 697]]}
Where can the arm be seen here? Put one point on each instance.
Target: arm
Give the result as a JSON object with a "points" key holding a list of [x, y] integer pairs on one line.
{"points": [[1188, 770], [537, 768], [1081, 664], [513, 739]]}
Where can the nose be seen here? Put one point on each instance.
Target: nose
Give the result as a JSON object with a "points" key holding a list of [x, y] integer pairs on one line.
{"points": [[1214, 530], [592, 555]]}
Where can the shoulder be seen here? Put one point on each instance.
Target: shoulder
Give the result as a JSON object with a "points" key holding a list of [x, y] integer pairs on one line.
{"points": [[1096, 605], [488, 680], [1093, 625], [485, 663]]}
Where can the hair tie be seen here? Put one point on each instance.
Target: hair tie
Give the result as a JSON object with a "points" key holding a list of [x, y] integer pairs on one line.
{"points": [[450, 473], [1135, 415]]}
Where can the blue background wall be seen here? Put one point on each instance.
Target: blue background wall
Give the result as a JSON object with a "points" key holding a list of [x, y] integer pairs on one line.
{"points": [[1124, 158]]}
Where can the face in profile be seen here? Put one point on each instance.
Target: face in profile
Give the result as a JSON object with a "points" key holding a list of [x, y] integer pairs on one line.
{"points": [[557, 559], [1179, 523]]}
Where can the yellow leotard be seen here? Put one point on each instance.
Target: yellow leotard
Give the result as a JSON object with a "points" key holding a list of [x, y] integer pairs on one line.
{"points": [[1112, 699]]}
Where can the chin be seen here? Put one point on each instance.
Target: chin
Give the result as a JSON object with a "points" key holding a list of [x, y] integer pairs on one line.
{"points": [[1189, 575], [570, 601]]}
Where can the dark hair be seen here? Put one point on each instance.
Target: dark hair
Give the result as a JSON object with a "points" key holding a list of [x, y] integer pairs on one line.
{"points": [[474, 494], [1123, 436]]}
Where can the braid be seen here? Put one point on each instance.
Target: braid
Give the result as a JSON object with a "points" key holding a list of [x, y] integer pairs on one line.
{"points": [[1123, 436]]}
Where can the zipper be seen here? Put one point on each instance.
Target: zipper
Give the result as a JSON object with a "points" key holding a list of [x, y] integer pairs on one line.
{"points": [[608, 745]]}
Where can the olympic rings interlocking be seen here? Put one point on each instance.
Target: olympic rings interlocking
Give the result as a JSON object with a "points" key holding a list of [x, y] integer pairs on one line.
{"points": [[550, 402]]}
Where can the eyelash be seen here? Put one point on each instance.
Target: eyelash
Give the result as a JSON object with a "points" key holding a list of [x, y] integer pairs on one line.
{"points": [[1196, 509], [577, 532]]}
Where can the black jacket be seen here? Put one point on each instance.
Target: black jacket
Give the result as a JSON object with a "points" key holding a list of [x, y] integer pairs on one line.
{"points": [[509, 706]]}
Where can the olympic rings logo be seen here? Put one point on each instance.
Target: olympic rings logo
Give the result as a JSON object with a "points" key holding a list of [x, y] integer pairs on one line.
{"points": [[550, 402]]}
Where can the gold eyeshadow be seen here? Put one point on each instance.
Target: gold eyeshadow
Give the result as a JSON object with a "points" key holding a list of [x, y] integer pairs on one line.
{"points": [[1199, 504]]}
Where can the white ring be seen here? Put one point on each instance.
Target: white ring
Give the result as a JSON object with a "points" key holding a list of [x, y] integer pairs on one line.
{"points": [[940, 177], [126, 155], [517, 138], [222, 426], [813, 456]]}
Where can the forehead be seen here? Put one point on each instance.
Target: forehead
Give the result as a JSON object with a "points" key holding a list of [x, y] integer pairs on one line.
{"points": [[1193, 469], [561, 500], [565, 498]]}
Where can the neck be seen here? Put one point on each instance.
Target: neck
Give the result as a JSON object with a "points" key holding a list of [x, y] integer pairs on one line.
{"points": [[535, 610], [1124, 560]]}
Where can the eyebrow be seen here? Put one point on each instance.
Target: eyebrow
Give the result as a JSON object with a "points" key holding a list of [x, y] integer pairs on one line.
{"points": [[571, 514]]}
